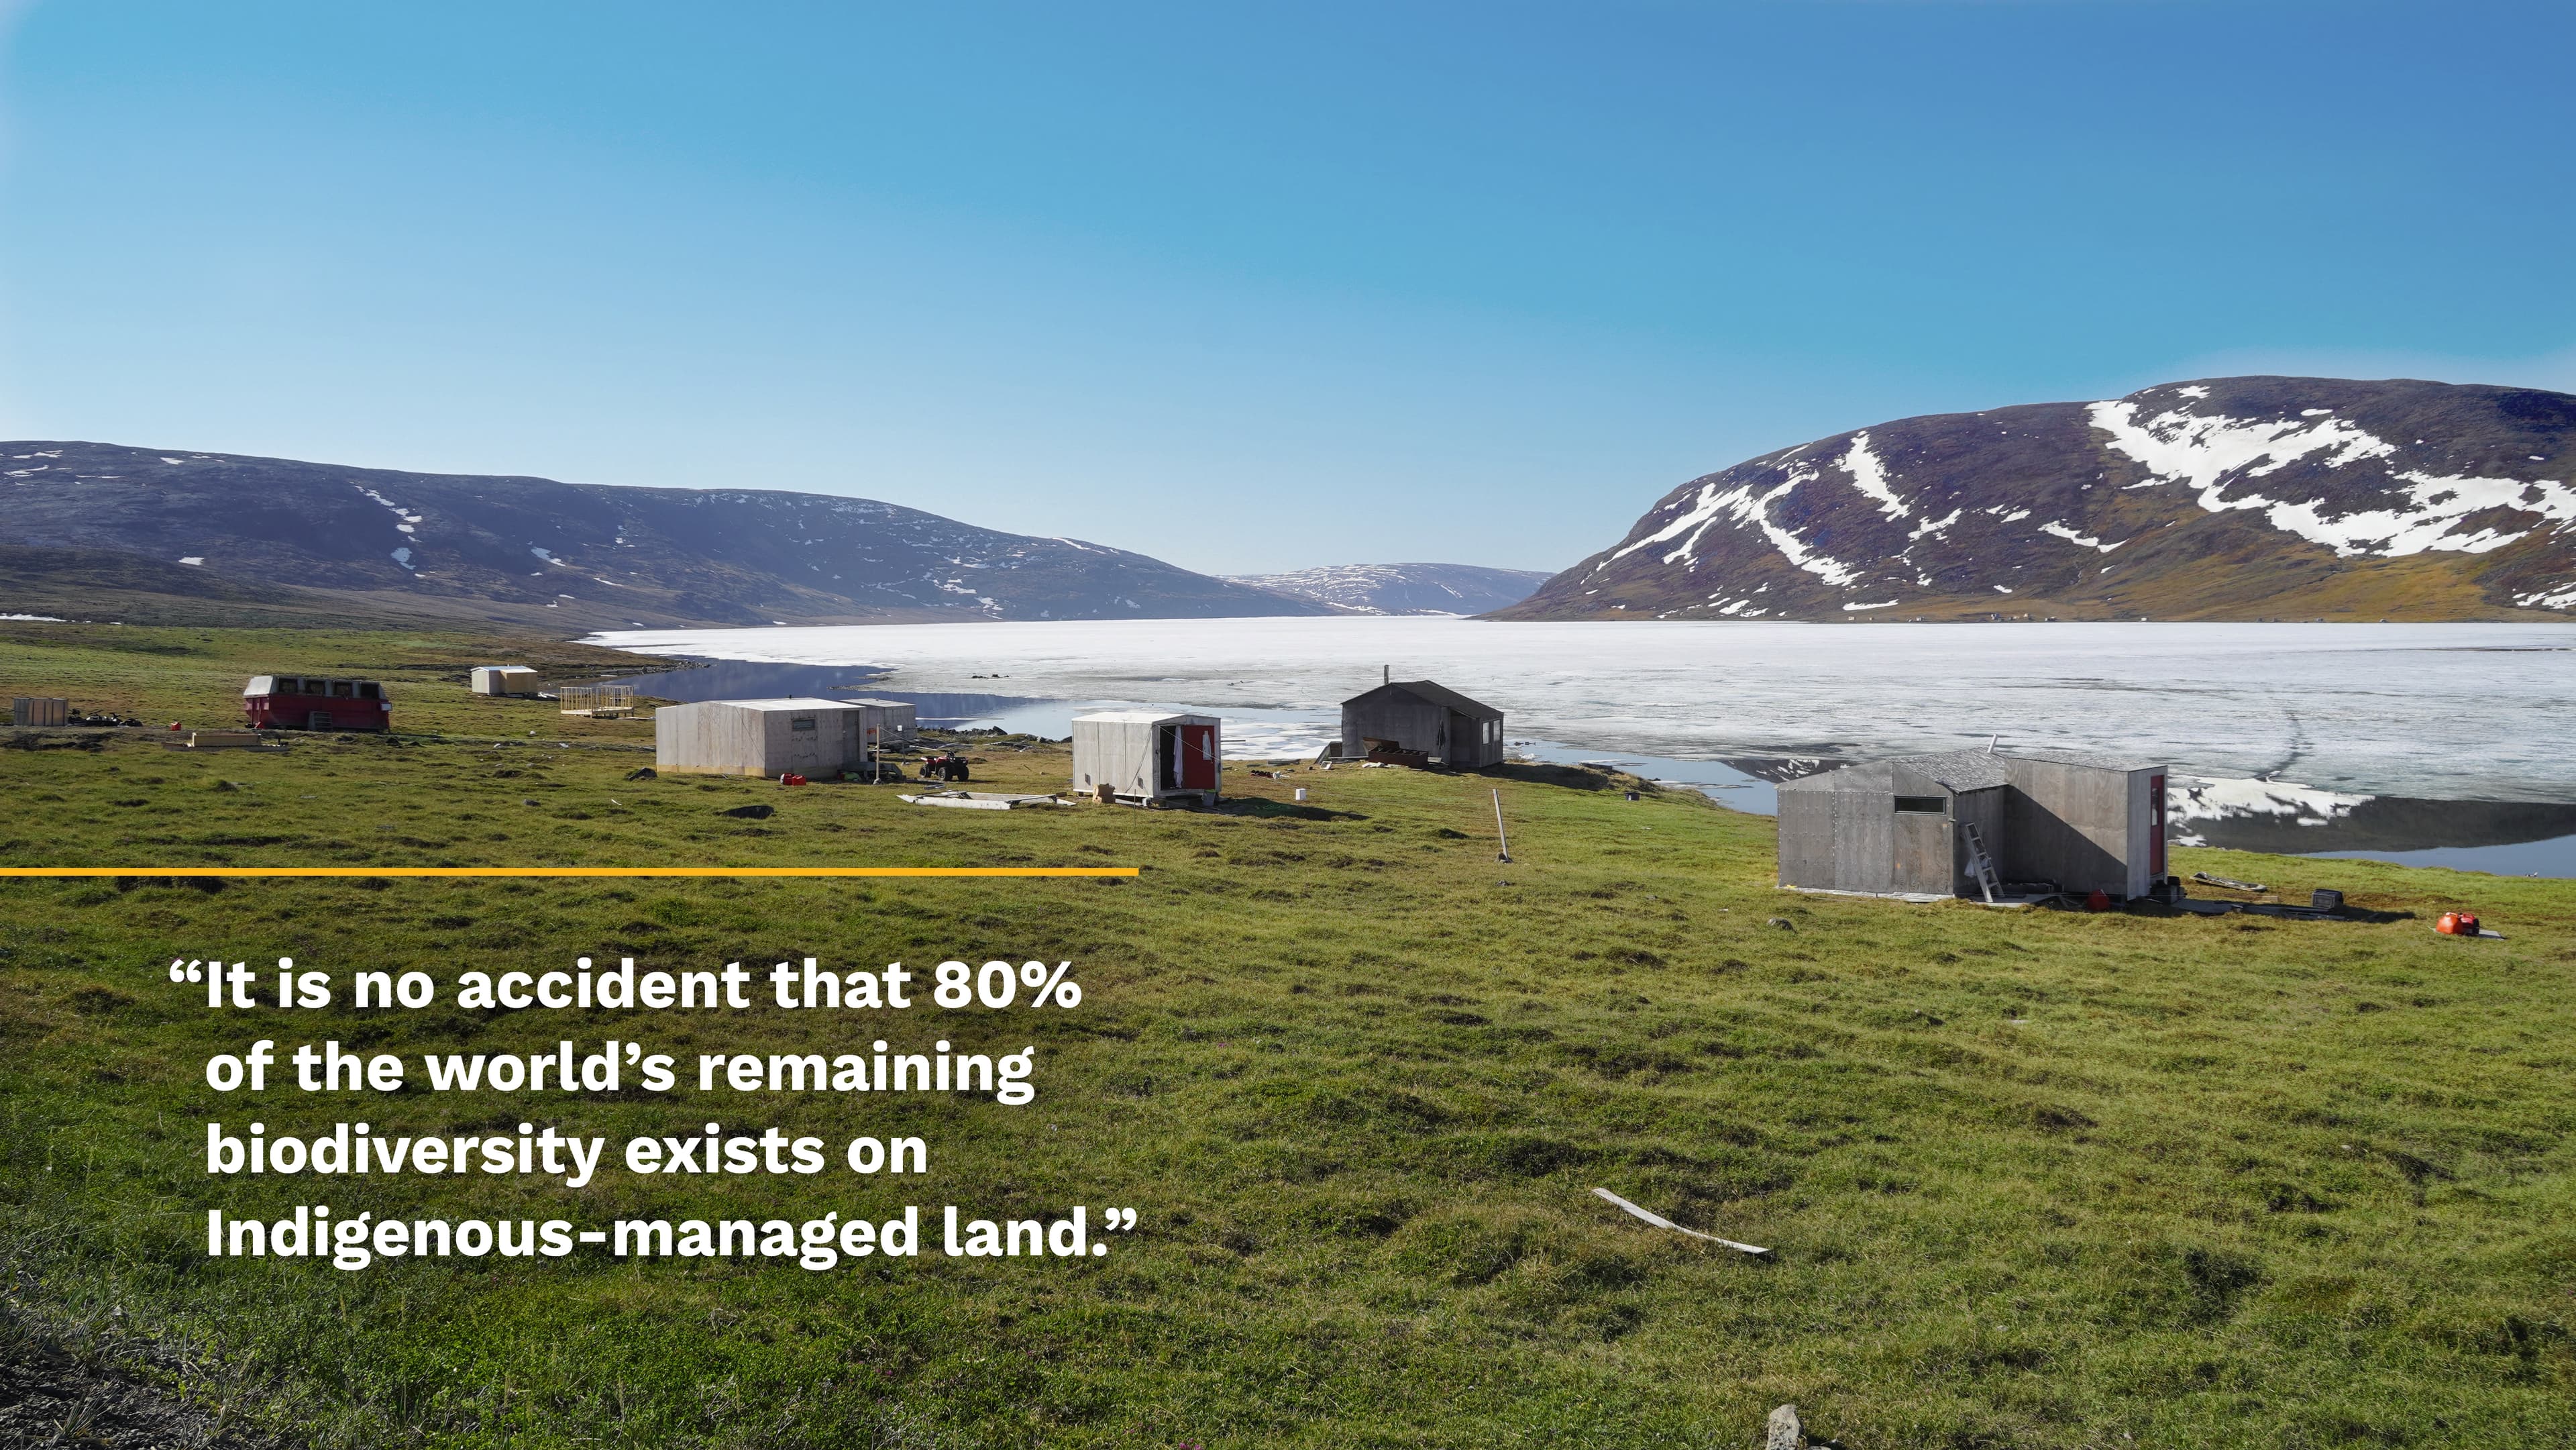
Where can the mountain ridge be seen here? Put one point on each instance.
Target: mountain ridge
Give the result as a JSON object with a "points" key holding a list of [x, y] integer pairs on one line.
{"points": [[2255, 497], [569, 556], [1415, 588]]}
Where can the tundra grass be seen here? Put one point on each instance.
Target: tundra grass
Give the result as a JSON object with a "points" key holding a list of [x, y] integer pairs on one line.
{"points": [[2031, 1178]]}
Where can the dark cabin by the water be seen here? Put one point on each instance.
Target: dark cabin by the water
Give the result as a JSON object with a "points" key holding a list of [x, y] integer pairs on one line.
{"points": [[2078, 823], [1419, 718]]}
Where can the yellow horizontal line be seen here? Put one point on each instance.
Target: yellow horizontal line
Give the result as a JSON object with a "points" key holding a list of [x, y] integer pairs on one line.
{"points": [[1092, 871]]}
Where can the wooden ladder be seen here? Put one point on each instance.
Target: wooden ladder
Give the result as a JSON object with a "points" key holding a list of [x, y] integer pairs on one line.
{"points": [[1980, 864]]}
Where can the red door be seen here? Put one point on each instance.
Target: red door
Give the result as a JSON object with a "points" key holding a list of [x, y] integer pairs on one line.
{"points": [[1198, 757], [2156, 830]]}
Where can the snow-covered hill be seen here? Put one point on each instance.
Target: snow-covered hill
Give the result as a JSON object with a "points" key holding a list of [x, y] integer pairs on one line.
{"points": [[1402, 588], [2223, 498]]}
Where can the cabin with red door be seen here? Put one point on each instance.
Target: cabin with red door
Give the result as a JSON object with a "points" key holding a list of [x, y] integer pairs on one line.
{"points": [[1145, 758], [315, 702]]}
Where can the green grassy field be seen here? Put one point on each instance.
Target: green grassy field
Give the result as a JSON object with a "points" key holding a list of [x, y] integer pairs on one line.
{"points": [[2033, 1179]]}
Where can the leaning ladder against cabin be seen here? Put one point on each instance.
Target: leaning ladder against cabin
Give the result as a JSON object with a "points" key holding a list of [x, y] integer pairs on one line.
{"points": [[1980, 865]]}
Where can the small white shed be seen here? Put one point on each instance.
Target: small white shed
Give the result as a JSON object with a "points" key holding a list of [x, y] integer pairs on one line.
{"points": [[504, 680], [1148, 758], [816, 738], [893, 720]]}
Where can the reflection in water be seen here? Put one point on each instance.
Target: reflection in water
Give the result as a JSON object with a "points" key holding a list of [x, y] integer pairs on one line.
{"points": [[2517, 838], [1723, 781], [2555, 857]]}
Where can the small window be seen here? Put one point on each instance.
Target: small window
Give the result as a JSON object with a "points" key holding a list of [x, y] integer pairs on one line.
{"points": [[367, 690], [1922, 805], [343, 690], [801, 722]]}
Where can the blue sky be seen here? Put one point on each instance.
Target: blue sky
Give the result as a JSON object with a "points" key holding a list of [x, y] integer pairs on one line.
{"points": [[1246, 287]]}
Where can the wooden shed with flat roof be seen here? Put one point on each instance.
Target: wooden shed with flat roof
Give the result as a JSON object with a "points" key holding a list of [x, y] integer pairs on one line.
{"points": [[1420, 718], [796, 735], [1904, 827]]}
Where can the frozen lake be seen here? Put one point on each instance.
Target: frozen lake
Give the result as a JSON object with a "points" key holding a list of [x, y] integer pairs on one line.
{"points": [[2439, 711]]}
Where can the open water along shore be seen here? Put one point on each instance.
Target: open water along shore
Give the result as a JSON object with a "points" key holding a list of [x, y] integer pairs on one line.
{"points": [[2432, 744]]}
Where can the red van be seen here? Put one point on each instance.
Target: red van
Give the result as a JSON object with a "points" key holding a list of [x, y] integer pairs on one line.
{"points": [[305, 702]]}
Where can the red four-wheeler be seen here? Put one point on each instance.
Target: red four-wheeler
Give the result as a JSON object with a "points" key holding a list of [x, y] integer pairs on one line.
{"points": [[307, 702]]}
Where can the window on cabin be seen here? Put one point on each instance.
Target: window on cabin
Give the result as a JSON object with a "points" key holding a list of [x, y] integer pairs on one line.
{"points": [[1922, 805], [369, 690], [343, 689], [801, 722]]}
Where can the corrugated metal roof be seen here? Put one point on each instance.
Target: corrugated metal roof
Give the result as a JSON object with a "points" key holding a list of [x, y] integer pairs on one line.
{"points": [[1960, 769], [2087, 758], [802, 703], [1956, 770], [1848, 777], [1139, 717], [1435, 694]]}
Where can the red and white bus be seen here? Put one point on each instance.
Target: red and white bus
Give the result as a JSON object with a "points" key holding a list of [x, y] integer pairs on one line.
{"points": [[312, 702]]}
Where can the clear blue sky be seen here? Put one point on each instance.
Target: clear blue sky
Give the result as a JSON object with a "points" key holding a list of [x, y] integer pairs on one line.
{"points": [[1245, 286]]}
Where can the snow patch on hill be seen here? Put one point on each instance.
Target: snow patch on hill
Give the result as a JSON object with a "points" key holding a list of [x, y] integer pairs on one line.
{"points": [[1747, 503], [2212, 454], [2072, 537], [1869, 475]]}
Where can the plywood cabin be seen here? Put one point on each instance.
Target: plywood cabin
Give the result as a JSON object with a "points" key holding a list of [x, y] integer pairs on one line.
{"points": [[1147, 759], [40, 710], [818, 739], [895, 722], [503, 680], [314, 702], [1419, 718], [2075, 823]]}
